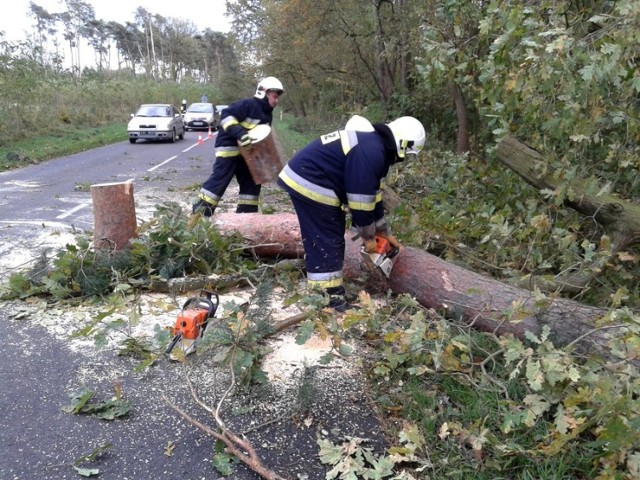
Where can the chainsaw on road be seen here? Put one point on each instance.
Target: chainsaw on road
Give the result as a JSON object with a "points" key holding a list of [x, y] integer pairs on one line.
{"points": [[384, 256], [191, 324]]}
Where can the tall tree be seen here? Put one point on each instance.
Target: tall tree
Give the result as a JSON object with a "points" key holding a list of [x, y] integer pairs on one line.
{"points": [[77, 20]]}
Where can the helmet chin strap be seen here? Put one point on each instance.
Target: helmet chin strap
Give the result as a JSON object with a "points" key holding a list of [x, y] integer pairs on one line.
{"points": [[402, 151]]}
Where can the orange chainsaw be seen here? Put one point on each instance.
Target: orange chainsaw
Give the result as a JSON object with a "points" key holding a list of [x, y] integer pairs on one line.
{"points": [[383, 257], [191, 324]]}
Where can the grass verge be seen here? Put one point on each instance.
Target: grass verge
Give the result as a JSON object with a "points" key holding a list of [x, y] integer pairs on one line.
{"points": [[65, 142]]}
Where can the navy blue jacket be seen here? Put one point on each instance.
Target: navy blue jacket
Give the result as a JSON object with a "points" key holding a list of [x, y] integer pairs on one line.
{"points": [[344, 168], [237, 119]]}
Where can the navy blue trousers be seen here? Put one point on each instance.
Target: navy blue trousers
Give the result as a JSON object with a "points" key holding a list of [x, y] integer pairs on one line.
{"points": [[224, 169], [322, 228]]}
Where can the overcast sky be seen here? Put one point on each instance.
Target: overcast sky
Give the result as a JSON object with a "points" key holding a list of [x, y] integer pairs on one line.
{"points": [[15, 19]]}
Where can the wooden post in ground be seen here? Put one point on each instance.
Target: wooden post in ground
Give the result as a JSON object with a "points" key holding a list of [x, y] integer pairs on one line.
{"points": [[114, 214]]}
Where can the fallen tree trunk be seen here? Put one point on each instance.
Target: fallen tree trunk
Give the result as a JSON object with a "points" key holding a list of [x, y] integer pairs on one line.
{"points": [[619, 217], [482, 302]]}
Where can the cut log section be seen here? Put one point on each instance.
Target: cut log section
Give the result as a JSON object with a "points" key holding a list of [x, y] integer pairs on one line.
{"points": [[482, 302], [264, 158], [114, 214]]}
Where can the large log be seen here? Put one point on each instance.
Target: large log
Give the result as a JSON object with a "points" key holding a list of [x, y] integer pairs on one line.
{"points": [[267, 235], [621, 217], [487, 304], [114, 215]]}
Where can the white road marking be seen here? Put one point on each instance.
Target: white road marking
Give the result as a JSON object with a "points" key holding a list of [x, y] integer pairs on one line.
{"points": [[73, 210], [19, 183], [163, 163]]}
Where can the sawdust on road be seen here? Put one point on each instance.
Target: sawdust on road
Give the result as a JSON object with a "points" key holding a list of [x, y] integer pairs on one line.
{"points": [[303, 400]]}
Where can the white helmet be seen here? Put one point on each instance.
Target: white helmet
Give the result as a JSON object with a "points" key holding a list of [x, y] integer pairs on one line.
{"points": [[409, 134], [269, 83], [359, 124]]}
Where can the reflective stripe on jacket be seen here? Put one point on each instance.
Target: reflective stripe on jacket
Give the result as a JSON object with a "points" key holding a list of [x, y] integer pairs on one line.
{"points": [[341, 168], [237, 119]]}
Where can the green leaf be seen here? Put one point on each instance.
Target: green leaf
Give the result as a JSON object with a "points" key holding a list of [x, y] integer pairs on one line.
{"points": [[345, 349], [304, 332], [86, 331], [87, 472], [81, 398], [534, 375], [587, 73], [223, 463]]}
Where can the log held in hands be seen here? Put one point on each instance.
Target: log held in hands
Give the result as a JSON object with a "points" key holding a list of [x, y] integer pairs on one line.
{"points": [[114, 214], [264, 158]]}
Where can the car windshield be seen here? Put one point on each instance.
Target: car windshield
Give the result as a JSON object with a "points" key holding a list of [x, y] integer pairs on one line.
{"points": [[153, 111], [200, 108]]}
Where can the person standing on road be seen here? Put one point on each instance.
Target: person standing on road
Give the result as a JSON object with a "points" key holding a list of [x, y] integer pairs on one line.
{"points": [[345, 168], [235, 122]]}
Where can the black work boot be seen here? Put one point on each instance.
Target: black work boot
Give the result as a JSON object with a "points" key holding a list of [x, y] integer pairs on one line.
{"points": [[338, 303], [203, 207], [247, 209]]}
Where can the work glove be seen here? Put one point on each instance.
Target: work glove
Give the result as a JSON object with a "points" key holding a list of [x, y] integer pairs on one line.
{"points": [[245, 141], [370, 245], [393, 241]]}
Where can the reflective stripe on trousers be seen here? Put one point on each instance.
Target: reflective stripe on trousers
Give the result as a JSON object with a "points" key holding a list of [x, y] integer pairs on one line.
{"points": [[224, 169]]}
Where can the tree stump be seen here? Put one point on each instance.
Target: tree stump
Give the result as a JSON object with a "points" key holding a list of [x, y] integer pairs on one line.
{"points": [[114, 214]]}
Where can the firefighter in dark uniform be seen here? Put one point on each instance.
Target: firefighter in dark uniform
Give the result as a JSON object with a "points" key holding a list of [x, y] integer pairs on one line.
{"points": [[345, 168], [235, 121]]}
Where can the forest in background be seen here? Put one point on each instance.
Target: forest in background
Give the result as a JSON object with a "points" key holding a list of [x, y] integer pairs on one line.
{"points": [[561, 77]]}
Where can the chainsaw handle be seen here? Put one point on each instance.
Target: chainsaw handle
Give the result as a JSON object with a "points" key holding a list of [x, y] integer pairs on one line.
{"points": [[174, 341], [204, 302]]}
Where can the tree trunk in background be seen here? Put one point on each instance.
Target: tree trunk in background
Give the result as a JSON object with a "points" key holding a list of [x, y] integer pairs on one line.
{"points": [[484, 303], [462, 143], [114, 215]]}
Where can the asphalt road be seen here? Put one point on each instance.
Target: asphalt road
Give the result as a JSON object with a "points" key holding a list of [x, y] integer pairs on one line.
{"points": [[56, 193], [41, 365]]}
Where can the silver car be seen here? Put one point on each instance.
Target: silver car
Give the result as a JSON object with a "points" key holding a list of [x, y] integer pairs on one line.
{"points": [[201, 116], [156, 121]]}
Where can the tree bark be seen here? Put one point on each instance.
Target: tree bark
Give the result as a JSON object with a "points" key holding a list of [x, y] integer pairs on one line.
{"points": [[267, 235], [482, 302], [114, 215], [462, 137], [620, 216]]}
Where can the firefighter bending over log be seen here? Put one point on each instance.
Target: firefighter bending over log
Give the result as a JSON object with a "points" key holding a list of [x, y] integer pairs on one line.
{"points": [[345, 168]]}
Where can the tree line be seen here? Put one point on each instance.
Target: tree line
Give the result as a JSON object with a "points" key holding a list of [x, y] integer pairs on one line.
{"points": [[164, 48]]}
